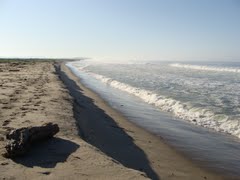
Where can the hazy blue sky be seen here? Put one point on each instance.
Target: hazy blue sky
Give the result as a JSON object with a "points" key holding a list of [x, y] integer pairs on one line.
{"points": [[121, 29]]}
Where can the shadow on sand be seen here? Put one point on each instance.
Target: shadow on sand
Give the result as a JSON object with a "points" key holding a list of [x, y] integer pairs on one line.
{"points": [[100, 130], [48, 153]]}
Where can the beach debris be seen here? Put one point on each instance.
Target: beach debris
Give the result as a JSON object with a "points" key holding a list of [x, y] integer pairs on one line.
{"points": [[20, 140]]}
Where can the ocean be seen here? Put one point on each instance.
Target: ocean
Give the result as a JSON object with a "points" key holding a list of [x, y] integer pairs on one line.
{"points": [[194, 106]]}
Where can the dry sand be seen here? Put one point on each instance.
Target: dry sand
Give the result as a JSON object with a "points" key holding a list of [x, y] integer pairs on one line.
{"points": [[94, 142], [31, 94]]}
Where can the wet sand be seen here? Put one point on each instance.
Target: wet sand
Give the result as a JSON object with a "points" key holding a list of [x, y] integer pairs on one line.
{"points": [[122, 140], [94, 142]]}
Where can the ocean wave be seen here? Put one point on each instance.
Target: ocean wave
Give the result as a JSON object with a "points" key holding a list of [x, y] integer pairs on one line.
{"points": [[206, 68], [183, 110], [199, 116]]}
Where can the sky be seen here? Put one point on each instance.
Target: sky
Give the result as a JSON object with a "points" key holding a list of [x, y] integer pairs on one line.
{"points": [[121, 29]]}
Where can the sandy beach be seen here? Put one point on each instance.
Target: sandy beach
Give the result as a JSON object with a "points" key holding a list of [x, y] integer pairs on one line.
{"points": [[94, 142], [32, 94]]}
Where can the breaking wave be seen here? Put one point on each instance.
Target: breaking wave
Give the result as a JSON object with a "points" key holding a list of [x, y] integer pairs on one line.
{"points": [[206, 68], [200, 116]]}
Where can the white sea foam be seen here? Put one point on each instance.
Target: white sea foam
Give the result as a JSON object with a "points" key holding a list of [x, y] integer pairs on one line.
{"points": [[184, 110], [206, 68], [199, 116]]}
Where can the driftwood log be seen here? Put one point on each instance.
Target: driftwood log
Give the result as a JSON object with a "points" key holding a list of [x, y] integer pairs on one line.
{"points": [[20, 140]]}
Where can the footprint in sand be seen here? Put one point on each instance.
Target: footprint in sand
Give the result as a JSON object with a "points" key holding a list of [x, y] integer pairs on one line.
{"points": [[54, 100], [26, 105], [13, 114], [6, 122], [13, 99], [17, 92], [38, 102], [8, 128], [4, 103], [23, 114], [6, 107], [29, 101], [24, 108], [37, 97]]}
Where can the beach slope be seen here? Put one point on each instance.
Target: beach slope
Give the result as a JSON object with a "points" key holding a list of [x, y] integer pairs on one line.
{"points": [[105, 128], [31, 93]]}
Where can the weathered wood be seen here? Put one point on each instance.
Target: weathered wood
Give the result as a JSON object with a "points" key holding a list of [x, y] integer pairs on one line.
{"points": [[20, 140]]}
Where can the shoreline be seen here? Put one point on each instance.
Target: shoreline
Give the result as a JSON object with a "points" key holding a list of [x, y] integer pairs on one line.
{"points": [[98, 141], [168, 164], [216, 152]]}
